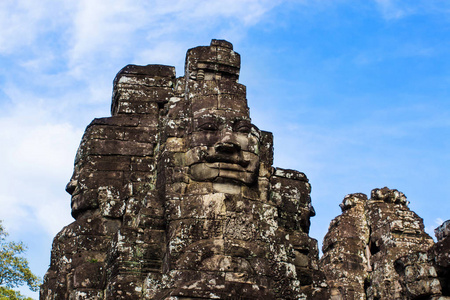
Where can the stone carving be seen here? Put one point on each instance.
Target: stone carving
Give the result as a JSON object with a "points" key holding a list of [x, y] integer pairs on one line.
{"points": [[440, 257], [426, 274], [377, 249], [114, 179], [175, 196]]}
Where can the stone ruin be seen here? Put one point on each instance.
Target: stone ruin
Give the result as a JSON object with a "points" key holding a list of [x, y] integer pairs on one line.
{"points": [[175, 197], [378, 249]]}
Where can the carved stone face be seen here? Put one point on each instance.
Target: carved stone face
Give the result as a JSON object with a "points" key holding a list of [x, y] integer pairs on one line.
{"points": [[223, 148], [97, 180], [77, 188]]}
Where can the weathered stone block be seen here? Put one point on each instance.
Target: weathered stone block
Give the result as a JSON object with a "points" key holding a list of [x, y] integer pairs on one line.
{"points": [[90, 274], [137, 104]]}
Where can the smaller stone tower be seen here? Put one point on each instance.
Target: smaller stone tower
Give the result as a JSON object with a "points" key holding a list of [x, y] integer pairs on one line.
{"points": [[364, 246]]}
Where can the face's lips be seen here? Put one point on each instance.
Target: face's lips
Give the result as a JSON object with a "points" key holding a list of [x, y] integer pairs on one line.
{"points": [[226, 166], [238, 167], [227, 161]]}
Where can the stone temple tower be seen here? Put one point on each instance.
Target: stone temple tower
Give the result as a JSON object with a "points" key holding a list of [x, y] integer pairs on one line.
{"points": [[175, 197]]}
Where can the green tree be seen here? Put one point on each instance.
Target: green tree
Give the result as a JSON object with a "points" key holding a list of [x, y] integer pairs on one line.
{"points": [[14, 269]]}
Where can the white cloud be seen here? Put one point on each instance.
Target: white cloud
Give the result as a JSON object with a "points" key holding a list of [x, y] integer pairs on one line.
{"points": [[23, 21], [431, 226], [391, 10], [84, 43], [15, 20], [438, 221], [90, 27], [36, 160], [103, 26], [72, 49], [398, 9], [114, 29], [246, 12]]}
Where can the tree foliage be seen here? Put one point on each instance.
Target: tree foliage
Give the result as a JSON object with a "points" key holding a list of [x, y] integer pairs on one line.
{"points": [[14, 269], [9, 294]]}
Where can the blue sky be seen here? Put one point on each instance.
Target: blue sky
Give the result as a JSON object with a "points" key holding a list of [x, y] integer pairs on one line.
{"points": [[355, 92]]}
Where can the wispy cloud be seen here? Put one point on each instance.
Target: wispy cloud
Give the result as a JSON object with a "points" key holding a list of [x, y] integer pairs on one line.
{"points": [[438, 221], [107, 30], [63, 56], [24, 22], [392, 9], [36, 161], [431, 226]]}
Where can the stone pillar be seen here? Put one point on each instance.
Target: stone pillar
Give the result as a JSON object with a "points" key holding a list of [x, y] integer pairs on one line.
{"points": [[395, 232], [346, 257], [425, 274]]}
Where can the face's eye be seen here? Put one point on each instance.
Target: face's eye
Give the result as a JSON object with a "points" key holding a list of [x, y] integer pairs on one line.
{"points": [[244, 129], [243, 126], [208, 126]]}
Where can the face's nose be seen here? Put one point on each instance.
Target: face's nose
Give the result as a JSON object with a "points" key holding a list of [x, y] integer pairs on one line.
{"points": [[312, 212], [227, 145], [70, 187]]}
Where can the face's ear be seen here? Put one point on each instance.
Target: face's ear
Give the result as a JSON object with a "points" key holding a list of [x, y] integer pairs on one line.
{"points": [[265, 150]]}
